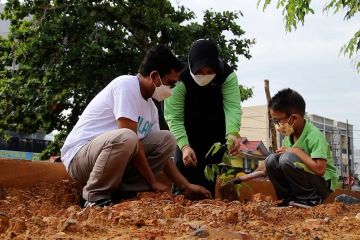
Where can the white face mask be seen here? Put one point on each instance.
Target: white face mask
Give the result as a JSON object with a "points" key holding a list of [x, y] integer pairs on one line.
{"points": [[161, 92], [202, 80]]}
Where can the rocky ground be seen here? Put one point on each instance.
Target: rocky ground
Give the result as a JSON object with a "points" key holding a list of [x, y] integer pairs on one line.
{"points": [[52, 212]]}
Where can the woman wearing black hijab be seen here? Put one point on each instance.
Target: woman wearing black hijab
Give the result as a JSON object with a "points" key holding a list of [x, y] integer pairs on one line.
{"points": [[204, 109]]}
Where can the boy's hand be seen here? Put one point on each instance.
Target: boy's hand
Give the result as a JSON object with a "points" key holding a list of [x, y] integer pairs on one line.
{"points": [[294, 150], [283, 150]]}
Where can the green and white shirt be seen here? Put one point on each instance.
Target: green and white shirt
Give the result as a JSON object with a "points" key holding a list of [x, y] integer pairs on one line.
{"points": [[313, 142]]}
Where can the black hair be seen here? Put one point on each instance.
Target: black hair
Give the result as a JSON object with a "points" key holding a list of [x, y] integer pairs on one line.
{"points": [[287, 101], [160, 59], [204, 52]]}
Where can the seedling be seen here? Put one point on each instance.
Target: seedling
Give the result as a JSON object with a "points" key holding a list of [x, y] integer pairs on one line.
{"points": [[229, 166]]}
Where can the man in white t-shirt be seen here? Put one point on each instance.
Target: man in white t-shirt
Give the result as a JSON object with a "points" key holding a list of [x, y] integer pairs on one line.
{"points": [[116, 145]]}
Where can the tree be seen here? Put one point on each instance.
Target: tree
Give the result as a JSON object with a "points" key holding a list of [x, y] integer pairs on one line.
{"points": [[59, 54], [294, 12]]}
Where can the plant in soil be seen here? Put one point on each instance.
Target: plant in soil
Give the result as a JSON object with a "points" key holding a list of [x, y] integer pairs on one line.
{"points": [[228, 168]]}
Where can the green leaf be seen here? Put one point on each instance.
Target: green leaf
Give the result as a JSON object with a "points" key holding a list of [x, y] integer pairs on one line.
{"points": [[209, 173], [237, 189], [215, 169], [237, 163], [214, 149], [226, 159], [231, 172]]}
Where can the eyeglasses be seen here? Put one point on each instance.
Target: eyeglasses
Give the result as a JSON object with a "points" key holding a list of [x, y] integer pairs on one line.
{"points": [[171, 83], [278, 121]]}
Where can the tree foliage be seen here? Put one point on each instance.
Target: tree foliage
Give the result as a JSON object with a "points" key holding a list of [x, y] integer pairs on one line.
{"points": [[59, 54], [294, 12]]}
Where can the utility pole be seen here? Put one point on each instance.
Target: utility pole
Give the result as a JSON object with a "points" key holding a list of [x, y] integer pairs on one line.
{"points": [[271, 124], [348, 154]]}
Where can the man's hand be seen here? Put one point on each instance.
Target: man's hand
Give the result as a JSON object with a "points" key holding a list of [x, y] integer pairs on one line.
{"points": [[189, 157], [159, 187], [197, 189]]}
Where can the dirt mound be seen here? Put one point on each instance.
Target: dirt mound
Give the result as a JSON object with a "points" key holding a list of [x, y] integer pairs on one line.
{"points": [[52, 212]]}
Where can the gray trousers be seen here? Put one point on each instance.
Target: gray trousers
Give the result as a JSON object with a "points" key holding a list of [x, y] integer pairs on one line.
{"points": [[293, 182], [103, 166]]}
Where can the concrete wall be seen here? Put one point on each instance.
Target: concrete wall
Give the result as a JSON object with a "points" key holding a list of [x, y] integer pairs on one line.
{"points": [[4, 25], [254, 124]]}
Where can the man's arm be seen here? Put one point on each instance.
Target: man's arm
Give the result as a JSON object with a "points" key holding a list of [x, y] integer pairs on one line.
{"points": [[140, 161], [317, 165], [174, 175]]}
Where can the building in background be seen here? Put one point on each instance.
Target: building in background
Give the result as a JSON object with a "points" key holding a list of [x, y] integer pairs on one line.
{"points": [[255, 126], [357, 162], [340, 137], [251, 153], [23, 146], [4, 25]]}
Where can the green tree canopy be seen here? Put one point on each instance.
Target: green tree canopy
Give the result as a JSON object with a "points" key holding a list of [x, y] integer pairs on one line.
{"points": [[59, 54], [294, 12]]}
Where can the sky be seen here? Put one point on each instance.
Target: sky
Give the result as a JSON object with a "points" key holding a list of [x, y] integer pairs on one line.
{"points": [[307, 60]]}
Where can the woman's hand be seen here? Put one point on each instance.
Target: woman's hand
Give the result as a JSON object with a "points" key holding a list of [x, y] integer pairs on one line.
{"points": [[236, 146], [189, 157]]}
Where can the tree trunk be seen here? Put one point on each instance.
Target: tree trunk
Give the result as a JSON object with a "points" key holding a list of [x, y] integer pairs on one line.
{"points": [[272, 130]]}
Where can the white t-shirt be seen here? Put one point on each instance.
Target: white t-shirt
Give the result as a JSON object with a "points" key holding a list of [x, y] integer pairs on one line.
{"points": [[121, 98]]}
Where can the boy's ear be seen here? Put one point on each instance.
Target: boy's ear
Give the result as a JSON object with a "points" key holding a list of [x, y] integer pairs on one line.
{"points": [[295, 116]]}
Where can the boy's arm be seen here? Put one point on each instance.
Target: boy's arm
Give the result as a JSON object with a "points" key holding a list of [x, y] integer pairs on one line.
{"points": [[317, 165]]}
